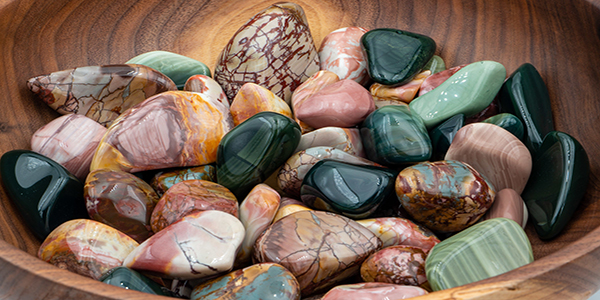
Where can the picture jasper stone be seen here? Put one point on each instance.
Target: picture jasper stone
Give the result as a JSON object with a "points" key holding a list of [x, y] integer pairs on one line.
{"points": [[345, 139], [205, 85], [164, 180], [443, 135], [289, 206], [399, 231], [373, 291], [252, 99], [340, 52], [132, 280], [175, 66], [396, 264]]}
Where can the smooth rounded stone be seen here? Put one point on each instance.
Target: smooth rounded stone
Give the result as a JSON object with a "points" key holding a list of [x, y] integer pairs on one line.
{"points": [[188, 196], [400, 264], [508, 122], [120, 200], [297, 243], [341, 104], [172, 129], [444, 196], [71, 141], [205, 85], [315, 83], [437, 78], [560, 175], [252, 99], [484, 250], [467, 92], [345, 139], [132, 280], [395, 56], [508, 204], [443, 135], [399, 231], [525, 95], [392, 135], [373, 291], [294, 170], [101, 93], [340, 53], [44, 192], [256, 213], [257, 282], [405, 93], [349, 189], [494, 152], [289, 206], [436, 64], [279, 61], [253, 150], [176, 66], [86, 247], [199, 245], [164, 180]]}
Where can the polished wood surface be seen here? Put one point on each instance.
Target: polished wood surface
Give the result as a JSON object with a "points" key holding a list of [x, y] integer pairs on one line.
{"points": [[560, 38]]}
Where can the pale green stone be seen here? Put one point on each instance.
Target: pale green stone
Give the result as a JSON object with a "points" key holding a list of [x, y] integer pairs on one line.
{"points": [[481, 251], [177, 67], [436, 64], [467, 92]]}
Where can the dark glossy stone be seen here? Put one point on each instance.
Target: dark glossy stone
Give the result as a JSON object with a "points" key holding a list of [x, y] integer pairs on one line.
{"points": [[249, 153], [509, 122], [524, 95], [133, 280], [557, 184], [392, 135], [442, 136], [352, 190], [394, 56], [44, 192]]}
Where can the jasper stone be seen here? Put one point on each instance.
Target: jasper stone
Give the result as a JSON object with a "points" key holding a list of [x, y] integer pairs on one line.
{"points": [[252, 99], [312, 85], [44, 192], [101, 93], [558, 182], [467, 92], [482, 251], [132, 280], [394, 56], [396, 264], [205, 85], [508, 122], [176, 66], [393, 135], [86, 247], [444, 196], [253, 150], [297, 243], [274, 49], [164, 180], [340, 53], [345, 139], [71, 141], [404, 93], [373, 291], [172, 129], [508, 204], [436, 79], [436, 64], [398, 231], [289, 206], [443, 135]]}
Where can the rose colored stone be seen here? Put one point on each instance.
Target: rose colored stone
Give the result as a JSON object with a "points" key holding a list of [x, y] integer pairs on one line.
{"points": [[396, 264], [436, 79], [312, 85], [494, 152], [252, 99], [399, 231], [405, 93], [340, 53], [289, 206], [508, 204], [342, 104], [373, 291], [71, 141], [345, 139], [205, 85]]}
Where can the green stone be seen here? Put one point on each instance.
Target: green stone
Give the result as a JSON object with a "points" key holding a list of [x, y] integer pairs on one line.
{"points": [[254, 149], [557, 184], [133, 280], [392, 135], [442, 136], [467, 92], [394, 56], [525, 95], [175, 66], [44, 192], [484, 250], [435, 65], [509, 122]]}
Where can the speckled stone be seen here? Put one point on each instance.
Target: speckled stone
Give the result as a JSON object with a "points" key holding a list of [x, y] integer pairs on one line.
{"points": [[401, 264]]}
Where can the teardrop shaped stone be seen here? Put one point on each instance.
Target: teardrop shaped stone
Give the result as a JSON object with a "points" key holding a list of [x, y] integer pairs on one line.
{"points": [[252, 99], [396, 264], [132, 280], [345, 139], [340, 53], [205, 85], [443, 135], [312, 85], [509, 122], [373, 291], [175, 66], [398, 231], [164, 180]]}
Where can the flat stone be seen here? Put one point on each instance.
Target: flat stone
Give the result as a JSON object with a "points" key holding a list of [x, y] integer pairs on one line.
{"points": [[508, 204], [373, 291], [400, 264], [312, 85], [443, 135], [164, 180], [399, 231], [508, 122], [252, 99], [205, 85], [340, 53], [345, 139], [405, 93], [132, 280]]}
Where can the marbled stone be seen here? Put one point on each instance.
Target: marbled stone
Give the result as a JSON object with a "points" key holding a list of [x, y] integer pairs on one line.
{"points": [[494, 152], [86, 247], [482, 251], [205, 85], [436, 79], [373, 291], [467, 92], [172, 129], [394, 56], [345, 139], [560, 175], [435, 65], [120, 200], [274, 49], [319, 248], [101, 93], [289, 206], [340, 53], [132, 280], [44, 192], [398, 231], [164, 180], [258, 282], [404, 93], [199, 245], [315, 83], [443, 135], [71, 141], [508, 122], [444, 196], [508, 204], [400, 264], [252, 99], [188, 196], [381, 102], [176, 66]]}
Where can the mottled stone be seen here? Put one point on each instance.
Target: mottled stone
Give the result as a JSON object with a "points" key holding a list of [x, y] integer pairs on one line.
{"points": [[436, 79], [205, 85], [399, 231], [443, 135], [404, 93], [340, 53], [176, 66], [381, 102], [289, 206], [373, 291], [508, 204], [252, 99], [401, 264], [345, 139], [132, 280], [315, 83], [436, 64], [508, 122], [164, 180]]}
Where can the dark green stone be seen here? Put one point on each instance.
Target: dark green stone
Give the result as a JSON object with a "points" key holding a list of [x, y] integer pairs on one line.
{"points": [[524, 95], [249, 153], [509, 122], [557, 183], [394, 56], [44, 192], [392, 135], [133, 280], [443, 134], [352, 190]]}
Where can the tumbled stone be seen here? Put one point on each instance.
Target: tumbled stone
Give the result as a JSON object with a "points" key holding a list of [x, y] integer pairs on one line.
{"points": [[405, 93], [252, 99], [132, 280], [101, 93], [345, 139], [396, 264], [399, 231], [443, 135], [508, 122], [205, 85], [436, 64], [340, 53], [433, 81], [86, 247], [373, 291], [315, 83], [289, 206], [176, 66], [164, 180], [201, 244], [508, 204]]}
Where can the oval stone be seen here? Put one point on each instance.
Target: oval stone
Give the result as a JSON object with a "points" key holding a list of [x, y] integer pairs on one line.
{"points": [[340, 52], [205, 85], [252, 99], [508, 204], [164, 180], [313, 84], [175, 66], [345, 139], [508, 122], [399, 231], [400, 264], [373, 291]]}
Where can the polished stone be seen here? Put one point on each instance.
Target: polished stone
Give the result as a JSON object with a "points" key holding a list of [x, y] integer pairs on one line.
{"points": [[400, 264], [340, 53], [373, 291], [508, 122], [252, 99], [163, 180], [132, 280], [345, 139], [313, 84], [436, 64], [289, 206], [443, 135], [508, 204], [436, 79], [205, 85], [399, 231], [176, 66], [404, 93]]}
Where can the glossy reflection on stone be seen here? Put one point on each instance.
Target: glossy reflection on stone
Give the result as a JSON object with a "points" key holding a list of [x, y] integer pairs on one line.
{"points": [[398, 231], [164, 180], [404, 93], [508, 122], [373, 291], [252, 99], [289, 206], [175, 66], [508, 204], [132, 280], [205, 85], [443, 135], [396, 264], [345, 139], [437, 78], [340, 53], [313, 84]]}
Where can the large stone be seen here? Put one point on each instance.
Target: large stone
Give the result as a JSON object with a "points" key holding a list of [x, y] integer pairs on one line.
{"points": [[312, 85], [340, 52], [176, 66]]}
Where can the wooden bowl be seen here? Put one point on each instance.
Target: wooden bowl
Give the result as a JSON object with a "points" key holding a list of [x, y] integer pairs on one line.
{"points": [[559, 37]]}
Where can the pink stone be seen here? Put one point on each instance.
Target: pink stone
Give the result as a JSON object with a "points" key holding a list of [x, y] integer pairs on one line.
{"points": [[373, 291], [312, 85], [436, 79], [345, 139], [508, 204], [405, 93], [342, 104], [398, 231], [252, 99], [340, 53], [205, 85]]}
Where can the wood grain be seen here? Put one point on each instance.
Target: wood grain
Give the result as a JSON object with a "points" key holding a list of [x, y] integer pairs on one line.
{"points": [[559, 37]]}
